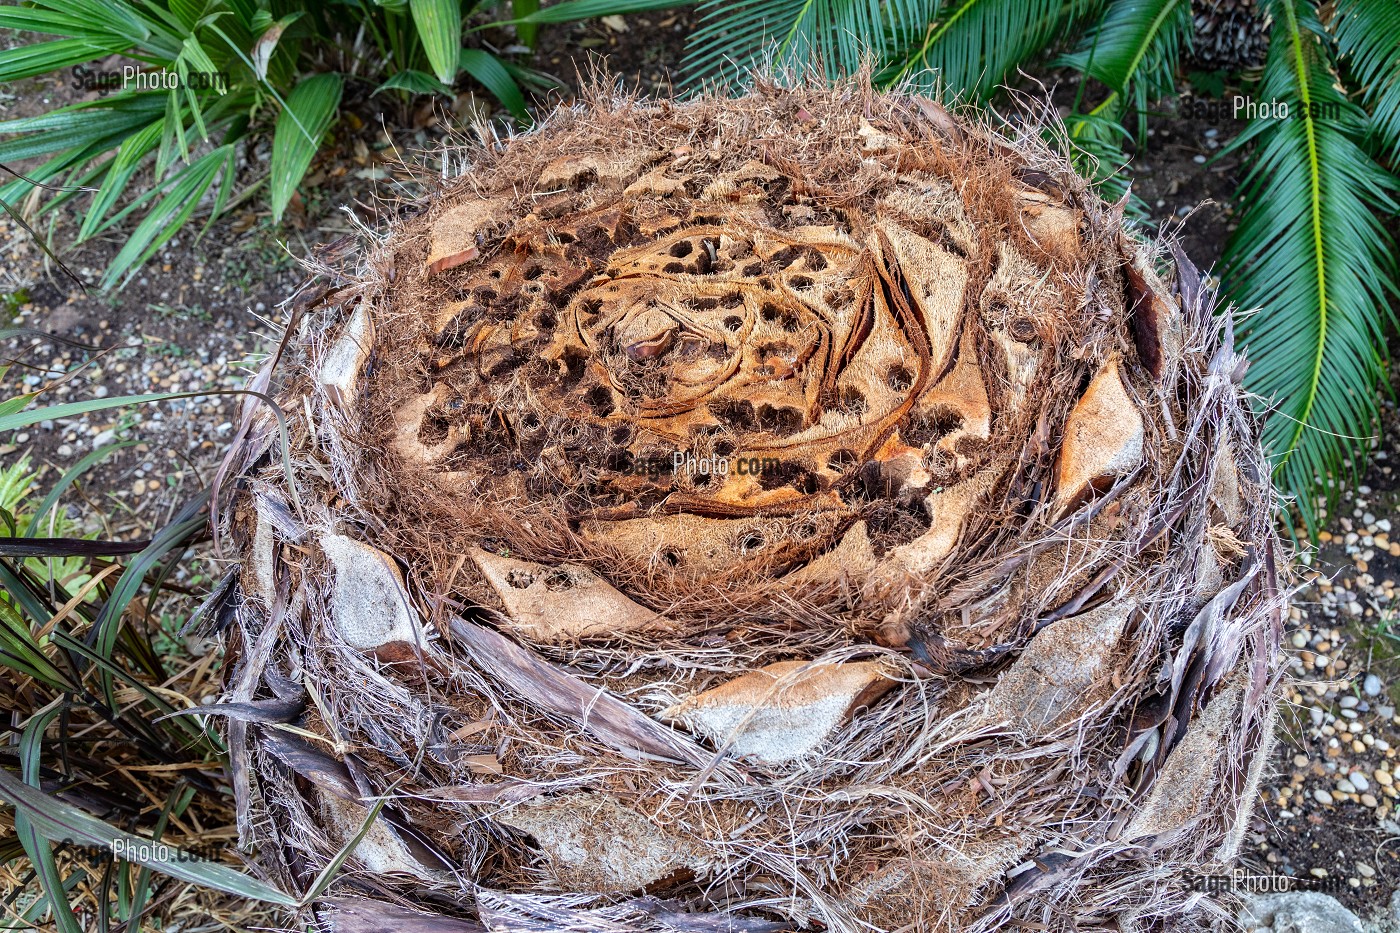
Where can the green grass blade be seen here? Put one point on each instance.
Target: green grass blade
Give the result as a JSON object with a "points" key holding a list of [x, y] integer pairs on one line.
{"points": [[526, 32], [573, 11], [78, 469], [37, 845], [415, 82]]}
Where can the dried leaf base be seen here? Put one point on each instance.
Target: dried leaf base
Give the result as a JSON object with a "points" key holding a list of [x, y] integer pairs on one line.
{"points": [[806, 511]]}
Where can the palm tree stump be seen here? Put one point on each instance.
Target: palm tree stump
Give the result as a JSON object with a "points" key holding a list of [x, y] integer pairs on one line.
{"points": [[812, 510]]}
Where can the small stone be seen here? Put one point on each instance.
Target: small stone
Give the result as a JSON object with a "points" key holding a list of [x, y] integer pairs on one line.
{"points": [[1383, 778], [1368, 800], [1371, 686], [1345, 786], [1300, 761], [1359, 780], [1318, 872], [1300, 640], [1322, 796], [1348, 702]]}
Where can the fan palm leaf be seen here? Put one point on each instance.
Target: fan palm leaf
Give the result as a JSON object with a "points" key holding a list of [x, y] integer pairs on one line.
{"points": [[1311, 252], [1368, 38]]}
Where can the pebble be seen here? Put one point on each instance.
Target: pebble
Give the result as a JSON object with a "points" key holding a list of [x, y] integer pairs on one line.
{"points": [[1348, 702], [1300, 640], [1322, 796], [1369, 801], [1364, 870], [1371, 686], [1359, 781]]}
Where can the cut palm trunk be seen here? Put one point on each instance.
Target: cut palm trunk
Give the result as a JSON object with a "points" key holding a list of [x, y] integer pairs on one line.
{"points": [[808, 510]]}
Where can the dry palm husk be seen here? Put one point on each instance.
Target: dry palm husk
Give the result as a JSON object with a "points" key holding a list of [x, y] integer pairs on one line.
{"points": [[812, 510]]}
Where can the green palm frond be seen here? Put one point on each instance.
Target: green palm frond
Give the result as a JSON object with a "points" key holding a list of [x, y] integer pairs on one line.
{"points": [[1311, 253], [840, 35], [1134, 50], [971, 48], [1368, 37]]}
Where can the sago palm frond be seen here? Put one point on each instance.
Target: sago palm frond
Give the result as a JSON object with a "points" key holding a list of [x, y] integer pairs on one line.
{"points": [[972, 47], [1368, 37], [969, 47], [1134, 50], [1312, 255], [839, 35]]}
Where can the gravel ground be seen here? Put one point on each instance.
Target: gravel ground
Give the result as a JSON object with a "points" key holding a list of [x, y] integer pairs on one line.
{"points": [[1328, 813]]}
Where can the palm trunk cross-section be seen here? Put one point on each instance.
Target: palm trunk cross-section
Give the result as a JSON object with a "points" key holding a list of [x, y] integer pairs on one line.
{"points": [[806, 511]]}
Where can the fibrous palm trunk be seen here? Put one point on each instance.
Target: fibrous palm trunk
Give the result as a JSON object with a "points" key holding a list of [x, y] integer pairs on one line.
{"points": [[811, 510]]}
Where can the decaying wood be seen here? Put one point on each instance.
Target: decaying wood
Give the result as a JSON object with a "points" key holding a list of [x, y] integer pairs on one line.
{"points": [[808, 510]]}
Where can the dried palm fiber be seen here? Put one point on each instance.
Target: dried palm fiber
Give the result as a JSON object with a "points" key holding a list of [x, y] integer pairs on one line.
{"points": [[978, 625]]}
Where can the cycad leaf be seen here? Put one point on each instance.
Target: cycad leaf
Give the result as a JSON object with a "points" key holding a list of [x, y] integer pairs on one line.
{"points": [[439, 24], [972, 47], [1311, 253], [1134, 48], [310, 111], [1368, 37], [838, 35]]}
